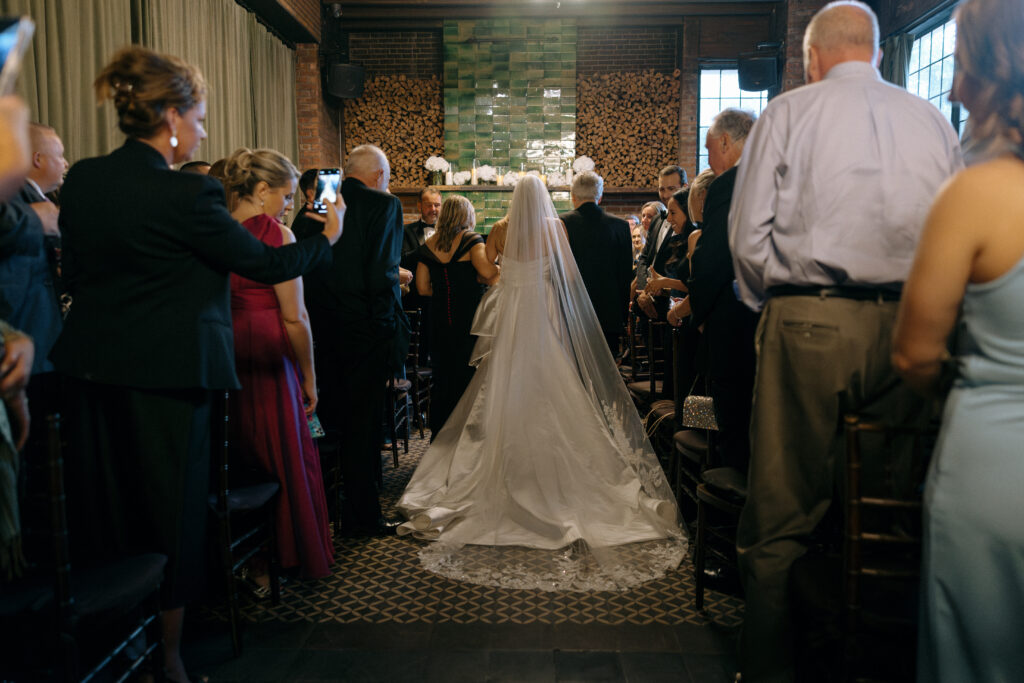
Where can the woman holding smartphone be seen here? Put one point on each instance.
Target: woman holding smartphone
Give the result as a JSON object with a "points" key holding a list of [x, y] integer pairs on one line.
{"points": [[148, 342]]}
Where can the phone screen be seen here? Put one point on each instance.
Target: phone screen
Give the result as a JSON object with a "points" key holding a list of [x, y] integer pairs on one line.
{"points": [[15, 34], [327, 185]]}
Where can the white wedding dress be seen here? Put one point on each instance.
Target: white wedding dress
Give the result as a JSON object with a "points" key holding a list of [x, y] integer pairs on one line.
{"points": [[543, 476]]}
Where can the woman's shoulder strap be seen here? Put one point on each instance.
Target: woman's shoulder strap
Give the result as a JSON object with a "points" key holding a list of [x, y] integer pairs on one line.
{"points": [[469, 240]]}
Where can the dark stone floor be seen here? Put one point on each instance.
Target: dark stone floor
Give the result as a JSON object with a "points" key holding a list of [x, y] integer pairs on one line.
{"points": [[473, 653]]}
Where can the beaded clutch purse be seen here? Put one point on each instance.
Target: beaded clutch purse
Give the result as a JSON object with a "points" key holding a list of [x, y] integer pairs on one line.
{"points": [[699, 413]]}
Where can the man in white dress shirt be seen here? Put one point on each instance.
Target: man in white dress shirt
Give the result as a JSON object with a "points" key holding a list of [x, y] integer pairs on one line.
{"points": [[832, 193]]}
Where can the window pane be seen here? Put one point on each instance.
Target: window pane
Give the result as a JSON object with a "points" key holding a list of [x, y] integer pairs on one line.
{"points": [[947, 74], [915, 59], [731, 85], [926, 49], [912, 80], [935, 80], [709, 81], [708, 110], [950, 38]]}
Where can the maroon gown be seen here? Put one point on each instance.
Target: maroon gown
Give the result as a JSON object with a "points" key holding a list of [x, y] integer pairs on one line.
{"points": [[269, 424]]}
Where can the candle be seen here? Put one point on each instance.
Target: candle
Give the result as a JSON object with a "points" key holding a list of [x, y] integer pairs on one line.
{"points": [[448, 177], [501, 179], [472, 176], [544, 178]]}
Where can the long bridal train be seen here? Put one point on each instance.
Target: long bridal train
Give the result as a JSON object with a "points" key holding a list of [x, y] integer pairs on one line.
{"points": [[543, 476]]}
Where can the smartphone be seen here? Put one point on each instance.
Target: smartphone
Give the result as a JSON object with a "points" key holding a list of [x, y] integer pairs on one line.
{"points": [[15, 34], [327, 183]]}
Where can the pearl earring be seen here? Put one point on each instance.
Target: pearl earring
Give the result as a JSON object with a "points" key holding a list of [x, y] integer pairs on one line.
{"points": [[174, 140]]}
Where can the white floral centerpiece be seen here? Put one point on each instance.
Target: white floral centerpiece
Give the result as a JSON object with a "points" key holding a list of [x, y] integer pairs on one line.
{"points": [[487, 173], [510, 179], [437, 167], [583, 164], [556, 179], [461, 177]]}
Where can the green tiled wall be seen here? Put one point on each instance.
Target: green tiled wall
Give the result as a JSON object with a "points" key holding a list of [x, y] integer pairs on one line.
{"points": [[491, 206], [509, 99]]}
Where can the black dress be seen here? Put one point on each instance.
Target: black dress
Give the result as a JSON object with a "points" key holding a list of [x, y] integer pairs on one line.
{"points": [[456, 294]]}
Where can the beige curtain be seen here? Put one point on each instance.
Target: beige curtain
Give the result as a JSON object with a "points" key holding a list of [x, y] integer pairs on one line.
{"points": [[250, 73], [73, 41], [213, 35], [273, 92]]}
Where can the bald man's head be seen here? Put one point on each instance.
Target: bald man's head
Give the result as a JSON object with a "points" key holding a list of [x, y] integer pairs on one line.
{"points": [[844, 31]]}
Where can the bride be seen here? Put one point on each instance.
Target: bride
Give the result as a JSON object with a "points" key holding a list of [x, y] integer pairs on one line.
{"points": [[543, 476]]}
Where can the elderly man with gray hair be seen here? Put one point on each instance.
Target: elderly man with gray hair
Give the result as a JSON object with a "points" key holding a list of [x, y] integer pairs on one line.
{"points": [[603, 249], [356, 310], [831, 196]]}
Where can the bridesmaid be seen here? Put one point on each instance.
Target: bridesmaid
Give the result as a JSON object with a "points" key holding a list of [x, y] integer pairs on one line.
{"points": [[452, 262], [274, 358]]}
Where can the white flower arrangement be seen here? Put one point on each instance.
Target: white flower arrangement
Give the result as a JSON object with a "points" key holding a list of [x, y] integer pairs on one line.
{"points": [[510, 179], [556, 179], [583, 164], [437, 164], [487, 173], [461, 177]]}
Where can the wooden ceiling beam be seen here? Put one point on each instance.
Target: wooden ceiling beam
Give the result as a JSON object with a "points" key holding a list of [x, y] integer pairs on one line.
{"points": [[592, 10]]}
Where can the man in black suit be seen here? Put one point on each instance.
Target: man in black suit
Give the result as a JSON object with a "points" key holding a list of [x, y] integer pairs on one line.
{"points": [[355, 309], [413, 236], [657, 251], [729, 325], [603, 249]]}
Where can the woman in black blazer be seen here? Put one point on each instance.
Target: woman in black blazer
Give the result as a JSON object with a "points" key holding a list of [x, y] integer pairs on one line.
{"points": [[147, 255]]}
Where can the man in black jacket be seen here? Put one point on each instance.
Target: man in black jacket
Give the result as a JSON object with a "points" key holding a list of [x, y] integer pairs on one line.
{"points": [[355, 310], [729, 325], [603, 248], [414, 235]]}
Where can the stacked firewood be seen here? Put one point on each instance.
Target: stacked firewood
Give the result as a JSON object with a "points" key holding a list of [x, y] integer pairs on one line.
{"points": [[628, 123], [403, 116]]}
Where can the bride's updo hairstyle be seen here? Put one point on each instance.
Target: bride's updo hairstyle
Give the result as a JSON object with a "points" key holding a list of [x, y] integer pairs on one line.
{"points": [[246, 168], [144, 84], [990, 57], [456, 215]]}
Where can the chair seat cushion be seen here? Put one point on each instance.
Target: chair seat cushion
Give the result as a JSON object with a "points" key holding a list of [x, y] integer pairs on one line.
{"points": [[691, 443], [102, 593], [425, 372], [247, 498], [726, 479]]}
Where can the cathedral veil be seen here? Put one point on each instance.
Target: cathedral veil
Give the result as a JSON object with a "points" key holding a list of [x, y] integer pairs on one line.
{"points": [[543, 476]]}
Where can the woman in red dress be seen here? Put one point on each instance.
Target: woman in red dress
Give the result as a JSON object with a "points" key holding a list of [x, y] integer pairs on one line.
{"points": [[274, 359]]}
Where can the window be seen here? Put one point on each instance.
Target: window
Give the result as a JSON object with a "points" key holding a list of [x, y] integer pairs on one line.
{"points": [[719, 89], [931, 71]]}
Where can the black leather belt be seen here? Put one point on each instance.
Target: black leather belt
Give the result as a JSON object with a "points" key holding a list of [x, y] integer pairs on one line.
{"points": [[855, 293]]}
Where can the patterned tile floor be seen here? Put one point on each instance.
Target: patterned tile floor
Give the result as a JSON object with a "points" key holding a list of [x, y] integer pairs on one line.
{"points": [[381, 617]]}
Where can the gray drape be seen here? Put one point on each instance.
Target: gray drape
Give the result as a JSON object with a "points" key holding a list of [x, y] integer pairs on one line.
{"points": [[896, 58], [250, 73]]}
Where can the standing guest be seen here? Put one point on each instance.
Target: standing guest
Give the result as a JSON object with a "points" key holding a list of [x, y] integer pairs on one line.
{"points": [[413, 236], [727, 324], [671, 179], [147, 253], [639, 240], [197, 167], [496, 240], [602, 247], [677, 267], [356, 312], [633, 222], [451, 264], [217, 170], [274, 361], [971, 259], [827, 267]]}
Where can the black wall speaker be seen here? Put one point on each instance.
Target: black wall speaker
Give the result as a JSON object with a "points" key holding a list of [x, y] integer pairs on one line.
{"points": [[345, 80], [758, 72]]}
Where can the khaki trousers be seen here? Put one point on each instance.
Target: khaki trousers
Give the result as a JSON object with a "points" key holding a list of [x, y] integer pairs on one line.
{"points": [[817, 359]]}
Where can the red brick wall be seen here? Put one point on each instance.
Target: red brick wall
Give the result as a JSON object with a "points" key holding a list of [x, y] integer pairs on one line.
{"points": [[413, 53], [318, 123], [637, 48], [798, 15]]}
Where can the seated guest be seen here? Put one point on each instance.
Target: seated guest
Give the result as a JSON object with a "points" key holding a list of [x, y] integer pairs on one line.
{"points": [[451, 262], [217, 170], [639, 239], [970, 264], [274, 362], [633, 222], [147, 342]]}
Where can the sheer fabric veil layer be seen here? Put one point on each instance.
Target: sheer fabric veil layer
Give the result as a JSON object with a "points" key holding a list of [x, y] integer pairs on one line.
{"points": [[543, 476]]}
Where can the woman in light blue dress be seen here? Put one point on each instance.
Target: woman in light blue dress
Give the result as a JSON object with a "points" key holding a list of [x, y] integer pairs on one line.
{"points": [[971, 257]]}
